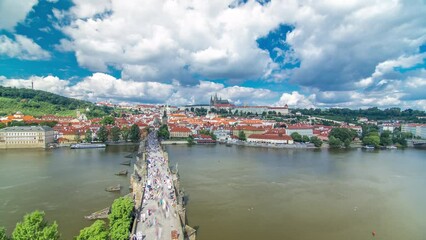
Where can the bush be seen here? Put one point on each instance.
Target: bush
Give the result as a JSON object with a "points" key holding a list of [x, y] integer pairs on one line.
{"points": [[96, 231], [35, 227]]}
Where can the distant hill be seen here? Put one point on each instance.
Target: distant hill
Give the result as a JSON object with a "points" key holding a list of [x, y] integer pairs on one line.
{"points": [[38, 103]]}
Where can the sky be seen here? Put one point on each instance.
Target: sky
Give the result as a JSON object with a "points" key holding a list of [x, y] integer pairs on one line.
{"points": [[304, 53]]}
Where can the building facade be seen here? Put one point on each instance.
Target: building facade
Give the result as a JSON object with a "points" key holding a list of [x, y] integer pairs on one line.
{"points": [[302, 130], [418, 130], [26, 137], [179, 132]]}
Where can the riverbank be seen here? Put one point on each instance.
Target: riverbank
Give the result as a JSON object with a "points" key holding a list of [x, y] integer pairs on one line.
{"points": [[267, 145]]}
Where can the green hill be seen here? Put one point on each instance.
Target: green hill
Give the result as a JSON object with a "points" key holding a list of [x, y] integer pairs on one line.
{"points": [[38, 103]]}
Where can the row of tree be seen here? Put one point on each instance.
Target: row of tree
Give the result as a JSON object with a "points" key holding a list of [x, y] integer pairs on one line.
{"points": [[21, 123], [133, 134], [306, 139], [35, 227], [386, 138], [343, 137], [372, 113]]}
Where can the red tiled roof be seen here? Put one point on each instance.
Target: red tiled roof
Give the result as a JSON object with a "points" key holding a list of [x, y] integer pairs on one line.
{"points": [[180, 129]]}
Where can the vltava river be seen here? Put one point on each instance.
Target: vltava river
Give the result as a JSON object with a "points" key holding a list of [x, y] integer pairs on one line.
{"points": [[67, 184], [235, 192], [256, 193]]}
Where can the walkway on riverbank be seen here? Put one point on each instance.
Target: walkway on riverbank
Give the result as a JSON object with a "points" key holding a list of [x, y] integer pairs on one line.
{"points": [[158, 218]]}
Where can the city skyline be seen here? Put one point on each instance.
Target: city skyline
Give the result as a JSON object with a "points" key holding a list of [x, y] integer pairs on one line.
{"points": [[301, 53]]}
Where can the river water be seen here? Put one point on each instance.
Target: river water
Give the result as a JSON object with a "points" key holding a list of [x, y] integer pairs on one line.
{"points": [[257, 193], [67, 184], [235, 192]]}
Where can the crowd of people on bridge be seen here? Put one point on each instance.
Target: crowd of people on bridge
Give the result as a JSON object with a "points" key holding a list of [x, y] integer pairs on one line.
{"points": [[158, 189]]}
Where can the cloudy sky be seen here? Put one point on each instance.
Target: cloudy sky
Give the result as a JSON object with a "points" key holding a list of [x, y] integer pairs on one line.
{"points": [[329, 53]]}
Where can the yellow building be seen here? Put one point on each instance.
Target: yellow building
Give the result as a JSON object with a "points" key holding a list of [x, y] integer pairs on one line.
{"points": [[26, 137]]}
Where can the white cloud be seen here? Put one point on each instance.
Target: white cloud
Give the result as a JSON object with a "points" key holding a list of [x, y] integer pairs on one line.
{"points": [[296, 100], [22, 48], [165, 40], [101, 87], [340, 47], [202, 92], [49, 83], [13, 12], [89, 8]]}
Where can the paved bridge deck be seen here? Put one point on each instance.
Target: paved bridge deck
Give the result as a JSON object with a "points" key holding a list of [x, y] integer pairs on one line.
{"points": [[158, 218]]}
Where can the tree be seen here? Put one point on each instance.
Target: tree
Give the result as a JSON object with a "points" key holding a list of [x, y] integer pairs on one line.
{"points": [[35, 227], [296, 137], [120, 218], [96, 231], [242, 136], [77, 137], [115, 134], [3, 235], [400, 139], [334, 142], [386, 138], [347, 143], [102, 134], [135, 133], [125, 132], [88, 136], [316, 141], [190, 140], [345, 135], [120, 229], [305, 138], [163, 132], [108, 120], [372, 139]]}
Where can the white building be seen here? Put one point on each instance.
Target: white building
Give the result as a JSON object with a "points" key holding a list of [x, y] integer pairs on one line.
{"points": [[282, 110], [418, 130], [387, 127], [26, 137], [304, 130], [222, 134]]}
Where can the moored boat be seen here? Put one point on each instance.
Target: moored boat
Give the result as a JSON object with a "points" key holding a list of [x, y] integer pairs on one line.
{"points": [[419, 144], [87, 145], [368, 147]]}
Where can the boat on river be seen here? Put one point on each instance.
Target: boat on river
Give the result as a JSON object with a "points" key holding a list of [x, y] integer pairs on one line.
{"points": [[368, 147], [113, 188], [419, 144], [122, 173], [87, 145]]}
